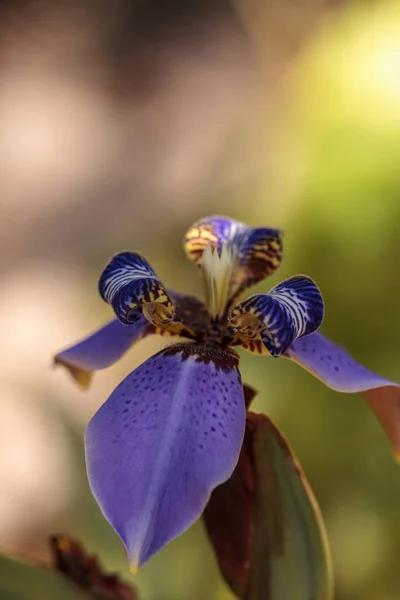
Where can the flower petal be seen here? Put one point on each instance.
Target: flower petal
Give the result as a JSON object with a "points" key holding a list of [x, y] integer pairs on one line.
{"points": [[292, 309], [260, 255], [130, 285], [215, 231], [101, 349], [256, 251], [338, 370], [264, 523], [166, 437]]}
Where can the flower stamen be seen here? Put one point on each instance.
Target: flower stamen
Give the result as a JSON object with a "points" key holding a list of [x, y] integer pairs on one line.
{"points": [[158, 314], [217, 268]]}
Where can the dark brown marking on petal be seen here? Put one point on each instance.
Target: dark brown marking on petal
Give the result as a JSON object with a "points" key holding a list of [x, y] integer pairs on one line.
{"points": [[255, 346], [177, 330], [191, 311], [206, 352], [191, 318]]}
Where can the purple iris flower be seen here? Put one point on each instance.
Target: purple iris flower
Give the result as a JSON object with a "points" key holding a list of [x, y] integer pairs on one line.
{"points": [[173, 429]]}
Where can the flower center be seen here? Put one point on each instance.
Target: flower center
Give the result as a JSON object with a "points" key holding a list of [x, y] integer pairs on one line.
{"points": [[217, 269]]}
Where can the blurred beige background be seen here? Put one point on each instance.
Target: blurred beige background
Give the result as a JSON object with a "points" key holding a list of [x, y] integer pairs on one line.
{"points": [[120, 124]]}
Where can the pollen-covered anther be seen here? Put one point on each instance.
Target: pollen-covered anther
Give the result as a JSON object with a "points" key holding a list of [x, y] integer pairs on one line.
{"points": [[197, 239], [159, 314], [246, 323]]}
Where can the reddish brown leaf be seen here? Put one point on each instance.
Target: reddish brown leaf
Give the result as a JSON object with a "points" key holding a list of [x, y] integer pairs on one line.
{"points": [[264, 523], [229, 520], [249, 394], [85, 571], [268, 519]]}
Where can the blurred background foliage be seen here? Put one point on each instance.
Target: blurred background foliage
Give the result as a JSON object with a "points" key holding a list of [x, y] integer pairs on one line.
{"points": [[120, 124]]}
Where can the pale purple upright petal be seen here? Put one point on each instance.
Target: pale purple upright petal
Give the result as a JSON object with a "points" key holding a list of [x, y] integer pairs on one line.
{"points": [[167, 436], [101, 349], [337, 369]]}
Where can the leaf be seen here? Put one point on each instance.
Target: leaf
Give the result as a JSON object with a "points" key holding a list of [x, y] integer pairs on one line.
{"points": [[289, 533], [265, 524], [235, 499], [249, 394], [229, 519], [21, 581], [76, 576]]}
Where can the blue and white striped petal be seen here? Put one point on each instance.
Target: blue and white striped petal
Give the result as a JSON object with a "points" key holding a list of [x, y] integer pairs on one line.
{"points": [[260, 255], [292, 309], [254, 252], [130, 285]]}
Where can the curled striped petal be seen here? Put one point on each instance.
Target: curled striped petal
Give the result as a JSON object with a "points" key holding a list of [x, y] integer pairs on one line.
{"points": [[131, 286], [338, 370], [166, 437], [101, 349], [255, 252], [260, 255], [292, 309]]}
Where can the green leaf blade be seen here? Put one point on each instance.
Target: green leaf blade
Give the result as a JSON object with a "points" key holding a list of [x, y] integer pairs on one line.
{"points": [[265, 524], [288, 526], [20, 581]]}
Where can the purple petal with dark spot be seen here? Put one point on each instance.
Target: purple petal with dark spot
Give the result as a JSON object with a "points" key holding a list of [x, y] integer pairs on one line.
{"points": [[338, 370], [166, 437], [101, 349]]}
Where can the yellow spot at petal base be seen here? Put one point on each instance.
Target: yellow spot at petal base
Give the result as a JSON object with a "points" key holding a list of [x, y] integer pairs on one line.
{"points": [[134, 566]]}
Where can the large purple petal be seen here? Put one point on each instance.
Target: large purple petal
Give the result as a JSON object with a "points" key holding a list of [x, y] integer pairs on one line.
{"points": [[166, 437], [101, 349], [338, 370]]}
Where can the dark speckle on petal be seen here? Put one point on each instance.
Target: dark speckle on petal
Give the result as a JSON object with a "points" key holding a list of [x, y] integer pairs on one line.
{"points": [[183, 408], [207, 352]]}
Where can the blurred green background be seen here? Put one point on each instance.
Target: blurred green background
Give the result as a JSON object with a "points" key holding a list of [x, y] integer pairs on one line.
{"points": [[120, 125]]}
